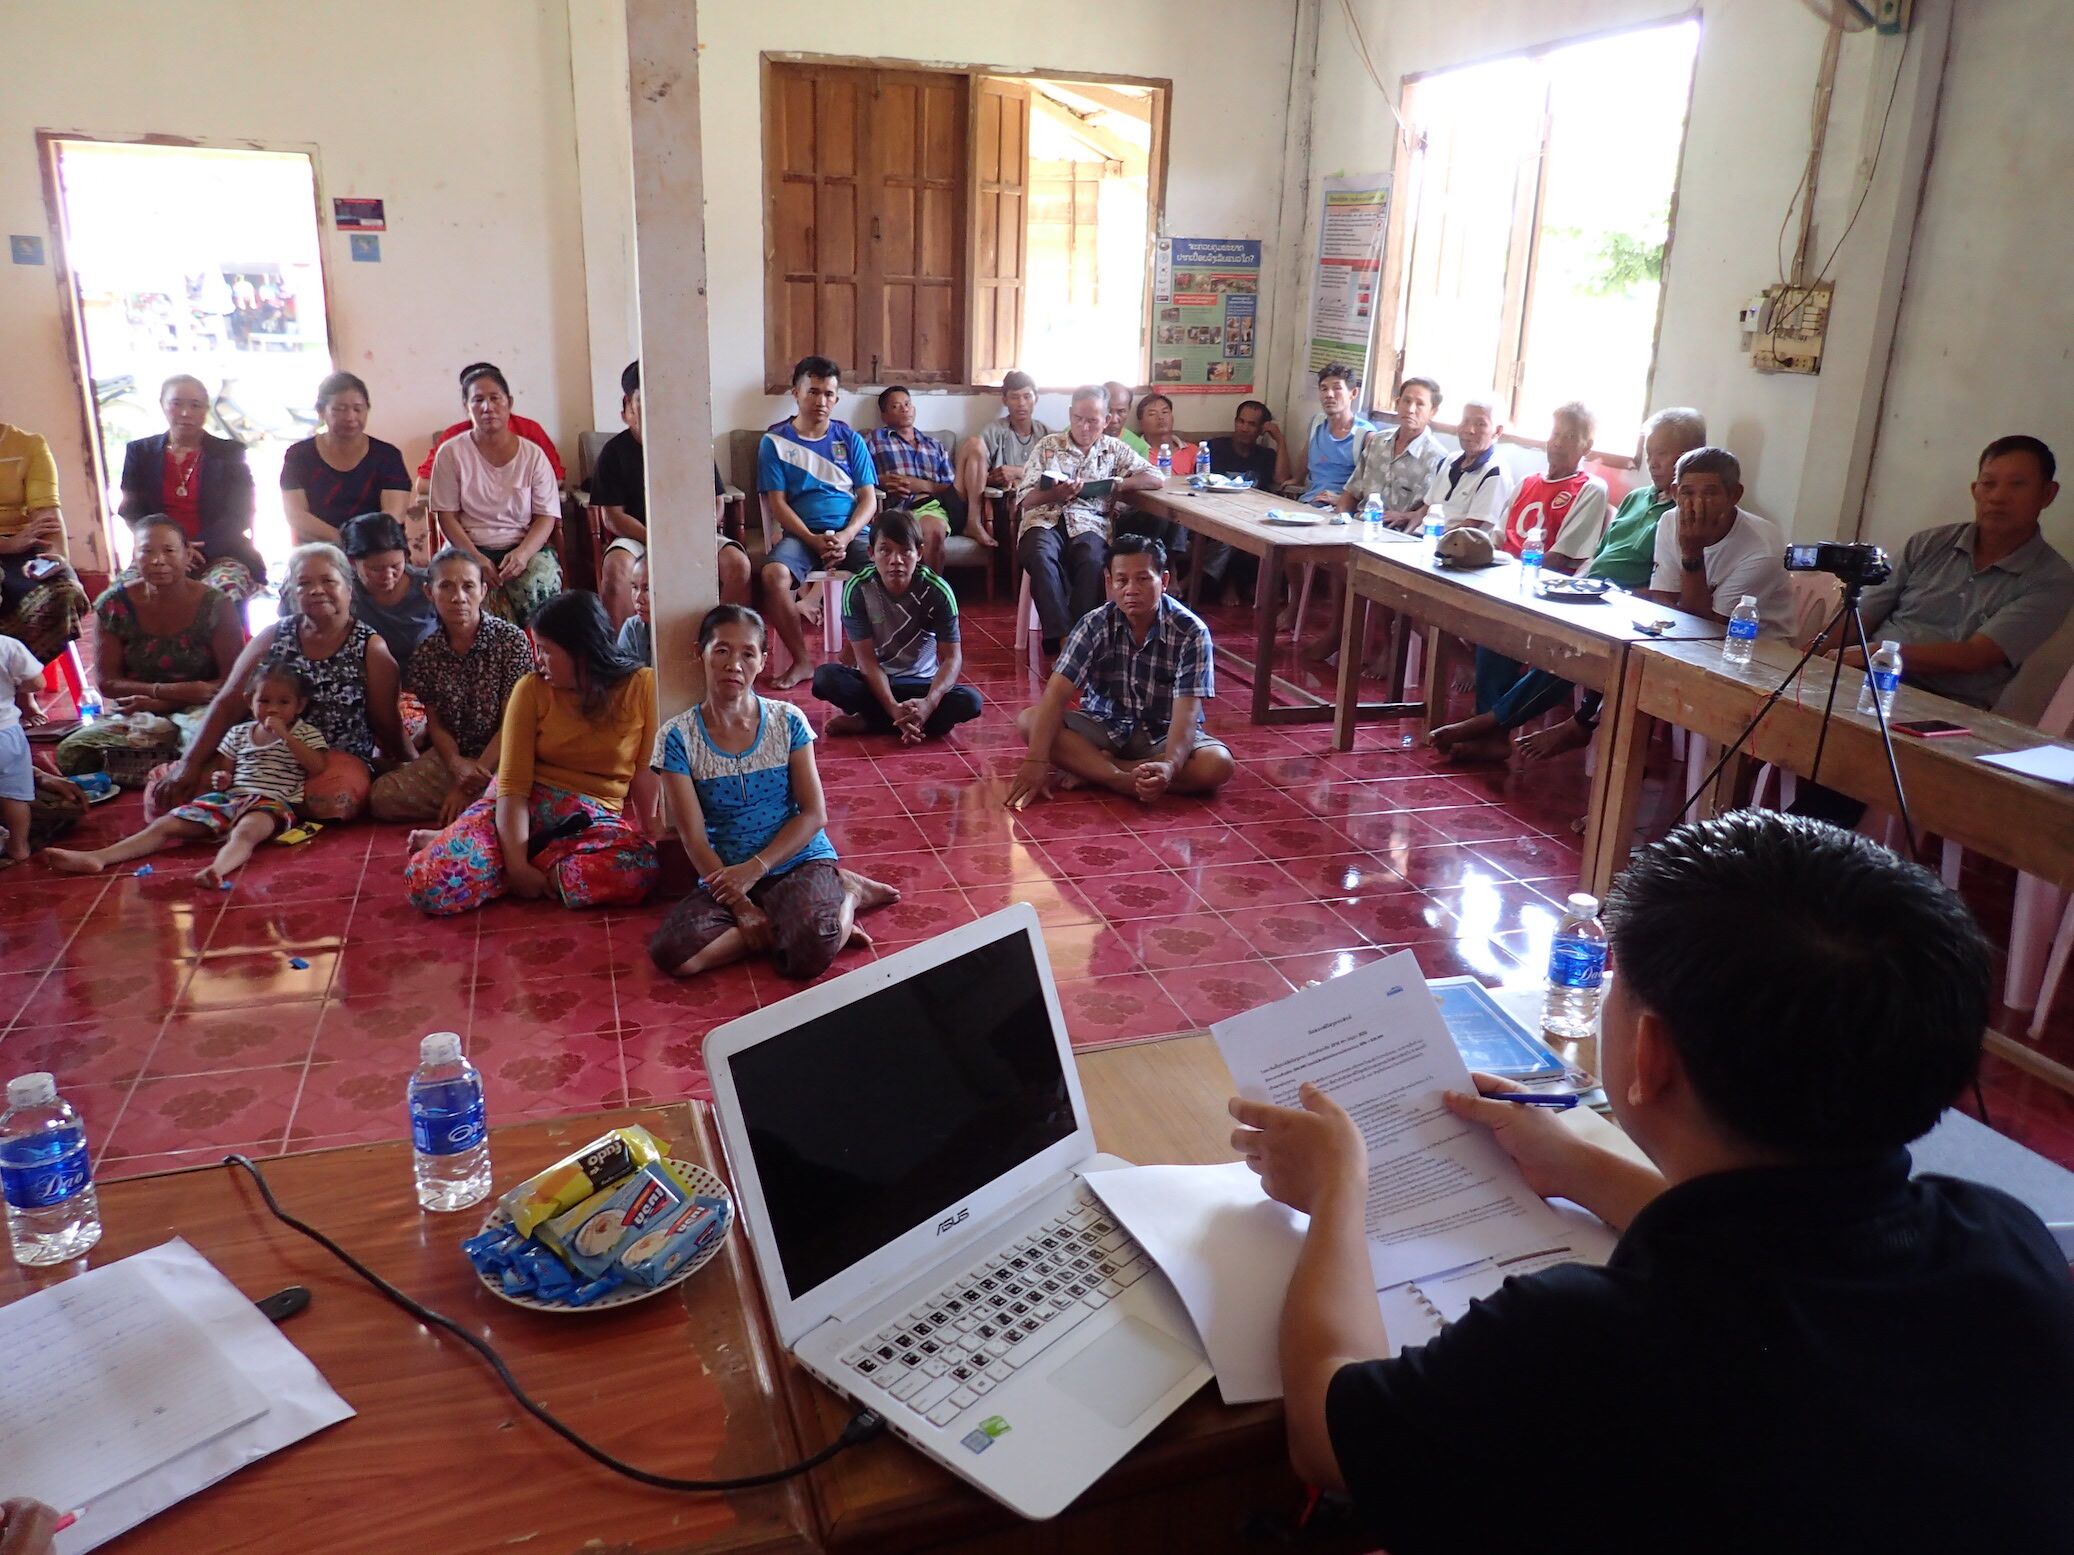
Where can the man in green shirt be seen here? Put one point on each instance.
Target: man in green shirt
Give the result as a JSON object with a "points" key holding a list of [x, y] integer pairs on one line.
{"points": [[1113, 424], [1626, 553]]}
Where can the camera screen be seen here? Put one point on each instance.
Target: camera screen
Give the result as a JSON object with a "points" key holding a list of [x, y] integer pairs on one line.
{"points": [[1803, 558]]}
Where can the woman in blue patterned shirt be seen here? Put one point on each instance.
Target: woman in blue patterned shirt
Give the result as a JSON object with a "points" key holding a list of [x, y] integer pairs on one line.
{"points": [[745, 797]]}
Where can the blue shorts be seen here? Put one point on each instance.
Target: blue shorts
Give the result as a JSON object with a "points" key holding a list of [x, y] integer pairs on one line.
{"points": [[17, 776], [792, 554]]}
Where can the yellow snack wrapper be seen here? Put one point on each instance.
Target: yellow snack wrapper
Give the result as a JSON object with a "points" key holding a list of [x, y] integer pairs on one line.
{"points": [[566, 1184]]}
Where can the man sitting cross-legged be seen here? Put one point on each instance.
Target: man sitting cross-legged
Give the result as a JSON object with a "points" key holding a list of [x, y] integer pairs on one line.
{"points": [[902, 622], [1143, 666]]}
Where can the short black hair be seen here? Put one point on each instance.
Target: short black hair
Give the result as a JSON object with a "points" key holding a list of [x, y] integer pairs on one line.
{"points": [[899, 526], [277, 670], [1350, 376], [888, 392], [1154, 395], [731, 615], [1429, 385], [815, 367], [1709, 461], [630, 379], [2020, 443], [335, 384], [1137, 545], [483, 370], [453, 553], [369, 534], [1826, 997], [480, 367], [1017, 379], [1243, 406]]}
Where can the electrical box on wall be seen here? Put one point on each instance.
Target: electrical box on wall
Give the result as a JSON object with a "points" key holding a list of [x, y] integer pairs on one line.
{"points": [[1790, 326]]}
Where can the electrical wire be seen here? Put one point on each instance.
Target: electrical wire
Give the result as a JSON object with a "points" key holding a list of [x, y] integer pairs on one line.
{"points": [[863, 1426], [1368, 63]]}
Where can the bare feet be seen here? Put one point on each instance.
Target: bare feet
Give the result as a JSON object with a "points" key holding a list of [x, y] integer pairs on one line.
{"points": [[1447, 736], [809, 605], [1490, 747], [1463, 681], [797, 671], [1569, 735], [846, 723], [858, 938], [869, 893], [68, 861], [207, 879], [420, 840], [1320, 649]]}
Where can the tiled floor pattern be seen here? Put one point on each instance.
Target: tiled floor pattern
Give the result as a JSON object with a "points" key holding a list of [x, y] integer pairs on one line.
{"points": [[285, 1013]]}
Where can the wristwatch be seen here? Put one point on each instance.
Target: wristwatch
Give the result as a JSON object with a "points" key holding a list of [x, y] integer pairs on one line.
{"points": [[1693, 566]]}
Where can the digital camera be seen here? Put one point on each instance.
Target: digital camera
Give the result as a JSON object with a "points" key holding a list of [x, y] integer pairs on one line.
{"points": [[1854, 563]]}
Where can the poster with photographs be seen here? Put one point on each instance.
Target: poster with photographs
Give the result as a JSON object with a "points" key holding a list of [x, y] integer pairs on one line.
{"points": [[1205, 308]]}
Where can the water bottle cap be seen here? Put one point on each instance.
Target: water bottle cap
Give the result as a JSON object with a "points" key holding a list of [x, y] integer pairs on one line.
{"points": [[1747, 599], [1890, 646], [1584, 904], [441, 1047], [32, 1090]]}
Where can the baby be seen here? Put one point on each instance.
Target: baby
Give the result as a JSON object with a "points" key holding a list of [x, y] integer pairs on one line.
{"points": [[19, 675], [269, 759]]}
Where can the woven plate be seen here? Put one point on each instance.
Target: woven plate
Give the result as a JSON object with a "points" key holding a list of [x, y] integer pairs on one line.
{"points": [[698, 1179]]}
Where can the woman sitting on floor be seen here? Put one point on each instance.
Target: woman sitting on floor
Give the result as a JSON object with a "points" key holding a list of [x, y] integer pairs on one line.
{"points": [[40, 597], [165, 643], [352, 680], [745, 798], [573, 738], [493, 495], [203, 484], [463, 675]]}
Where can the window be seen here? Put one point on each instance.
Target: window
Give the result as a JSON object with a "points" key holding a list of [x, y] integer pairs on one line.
{"points": [[938, 227], [1536, 218]]}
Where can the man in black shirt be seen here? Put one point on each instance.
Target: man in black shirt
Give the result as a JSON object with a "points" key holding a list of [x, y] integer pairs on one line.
{"points": [[1243, 453], [1794, 1346]]}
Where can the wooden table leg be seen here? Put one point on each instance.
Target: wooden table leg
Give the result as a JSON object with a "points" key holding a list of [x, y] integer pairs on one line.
{"points": [[1438, 649], [1616, 791], [1264, 632], [1353, 637]]}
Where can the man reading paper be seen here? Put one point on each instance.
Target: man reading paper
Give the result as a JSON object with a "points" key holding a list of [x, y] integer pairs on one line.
{"points": [[1795, 1345]]}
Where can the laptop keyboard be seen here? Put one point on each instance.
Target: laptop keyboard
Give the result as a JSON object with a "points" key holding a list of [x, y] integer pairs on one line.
{"points": [[953, 1348]]}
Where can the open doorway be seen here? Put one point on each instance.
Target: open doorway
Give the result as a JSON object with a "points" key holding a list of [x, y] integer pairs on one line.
{"points": [[199, 260]]}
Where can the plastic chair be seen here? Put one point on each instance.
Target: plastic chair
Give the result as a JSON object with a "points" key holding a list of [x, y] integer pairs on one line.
{"points": [[1029, 628], [67, 672]]}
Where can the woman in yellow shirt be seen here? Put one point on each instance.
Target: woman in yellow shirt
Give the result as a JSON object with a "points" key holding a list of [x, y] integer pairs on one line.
{"points": [[576, 740], [40, 597]]}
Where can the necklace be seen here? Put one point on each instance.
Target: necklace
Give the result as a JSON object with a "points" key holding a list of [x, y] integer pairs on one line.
{"points": [[183, 473]]}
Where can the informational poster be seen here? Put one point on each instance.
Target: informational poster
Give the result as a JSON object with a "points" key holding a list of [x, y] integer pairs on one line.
{"points": [[358, 213], [1205, 306], [1351, 229]]}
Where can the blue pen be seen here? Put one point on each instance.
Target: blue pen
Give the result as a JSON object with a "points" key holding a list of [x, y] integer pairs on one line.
{"points": [[1561, 1101]]}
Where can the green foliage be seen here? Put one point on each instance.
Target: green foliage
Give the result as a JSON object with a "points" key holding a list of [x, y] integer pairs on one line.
{"points": [[1622, 261]]}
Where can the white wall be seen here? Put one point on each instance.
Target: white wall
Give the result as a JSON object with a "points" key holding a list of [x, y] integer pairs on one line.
{"points": [[1229, 62], [458, 114]]}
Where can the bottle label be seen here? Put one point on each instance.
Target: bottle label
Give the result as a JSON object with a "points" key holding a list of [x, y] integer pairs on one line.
{"points": [[1576, 963], [1742, 631], [447, 1133], [1886, 681], [47, 1182]]}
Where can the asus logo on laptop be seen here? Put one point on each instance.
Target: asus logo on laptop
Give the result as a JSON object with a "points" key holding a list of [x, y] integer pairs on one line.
{"points": [[952, 1222]]}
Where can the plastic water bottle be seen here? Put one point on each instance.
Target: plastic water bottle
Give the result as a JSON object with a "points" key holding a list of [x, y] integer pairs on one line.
{"points": [[48, 1180], [1742, 632], [1576, 971], [1531, 551], [1882, 679], [89, 702], [1436, 521], [447, 1128], [1166, 460], [1372, 508]]}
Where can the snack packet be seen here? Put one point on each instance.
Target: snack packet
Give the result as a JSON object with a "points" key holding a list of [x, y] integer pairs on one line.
{"points": [[598, 1165], [642, 1228]]}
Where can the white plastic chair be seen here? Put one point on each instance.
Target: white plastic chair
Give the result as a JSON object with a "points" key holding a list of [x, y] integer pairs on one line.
{"points": [[831, 585], [1029, 628]]}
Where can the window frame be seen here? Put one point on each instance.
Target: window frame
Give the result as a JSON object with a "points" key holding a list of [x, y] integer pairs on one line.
{"points": [[1392, 318], [1162, 90]]}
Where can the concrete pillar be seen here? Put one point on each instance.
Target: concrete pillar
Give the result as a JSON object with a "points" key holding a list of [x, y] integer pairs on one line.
{"points": [[676, 370]]}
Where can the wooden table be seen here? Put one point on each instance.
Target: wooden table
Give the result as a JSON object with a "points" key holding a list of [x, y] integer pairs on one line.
{"points": [[1237, 519], [1188, 1486], [2022, 821], [1587, 643], [439, 1458]]}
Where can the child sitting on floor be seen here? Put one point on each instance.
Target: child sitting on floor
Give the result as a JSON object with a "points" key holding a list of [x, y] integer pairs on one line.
{"points": [[19, 675], [268, 761]]}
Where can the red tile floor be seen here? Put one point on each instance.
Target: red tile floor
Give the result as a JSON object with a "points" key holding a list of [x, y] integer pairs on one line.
{"points": [[284, 1014]]}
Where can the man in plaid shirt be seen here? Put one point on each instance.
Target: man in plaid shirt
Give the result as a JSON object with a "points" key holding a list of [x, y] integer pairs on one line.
{"points": [[1143, 666], [915, 468]]}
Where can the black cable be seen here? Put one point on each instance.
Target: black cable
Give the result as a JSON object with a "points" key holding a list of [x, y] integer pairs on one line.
{"points": [[863, 1426]]}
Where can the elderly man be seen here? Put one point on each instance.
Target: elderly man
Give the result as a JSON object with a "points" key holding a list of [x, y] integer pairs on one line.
{"points": [[1714, 553], [1969, 602], [1471, 489], [1116, 423], [916, 476], [1068, 487]]}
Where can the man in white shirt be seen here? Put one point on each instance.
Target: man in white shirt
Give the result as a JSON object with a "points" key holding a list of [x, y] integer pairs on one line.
{"points": [[1472, 488], [1710, 553]]}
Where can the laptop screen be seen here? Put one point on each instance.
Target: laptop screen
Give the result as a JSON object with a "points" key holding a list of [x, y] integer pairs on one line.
{"points": [[870, 1120]]}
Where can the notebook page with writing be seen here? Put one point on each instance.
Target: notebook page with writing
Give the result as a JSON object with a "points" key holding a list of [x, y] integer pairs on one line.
{"points": [[102, 1380]]}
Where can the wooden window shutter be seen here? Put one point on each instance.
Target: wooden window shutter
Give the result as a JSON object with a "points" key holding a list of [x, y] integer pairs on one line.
{"points": [[917, 274], [816, 220], [1000, 223]]}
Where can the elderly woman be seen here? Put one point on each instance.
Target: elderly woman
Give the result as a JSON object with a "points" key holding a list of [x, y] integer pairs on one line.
{"points": [[200, 482], [493, 495], [165, 642], [40, 597], [745, 797], [462, 675], [575, 734], [341, 472], [349, 670]]}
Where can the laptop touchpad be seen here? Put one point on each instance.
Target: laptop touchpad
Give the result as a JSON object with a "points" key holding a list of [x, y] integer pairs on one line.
{"points": [[1125, 1372]]}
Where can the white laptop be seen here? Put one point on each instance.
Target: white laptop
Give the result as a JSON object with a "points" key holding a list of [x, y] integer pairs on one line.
{"points": [[907, 1143]]}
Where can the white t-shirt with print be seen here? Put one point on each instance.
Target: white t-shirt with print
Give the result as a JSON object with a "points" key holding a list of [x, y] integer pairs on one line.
{"points": [[18, 667], [1749, 559]]}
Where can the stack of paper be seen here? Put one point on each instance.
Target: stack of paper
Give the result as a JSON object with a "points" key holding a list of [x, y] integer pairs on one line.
{"points": [[1449, 1215]]}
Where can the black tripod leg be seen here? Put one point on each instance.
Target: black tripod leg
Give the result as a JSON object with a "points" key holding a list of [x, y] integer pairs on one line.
{"points": [[1879, 711]]}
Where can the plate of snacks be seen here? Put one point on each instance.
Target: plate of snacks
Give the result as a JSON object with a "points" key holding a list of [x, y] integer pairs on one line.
{"points": [[613, 1223]]}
